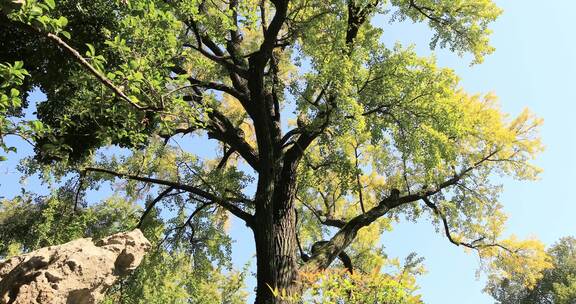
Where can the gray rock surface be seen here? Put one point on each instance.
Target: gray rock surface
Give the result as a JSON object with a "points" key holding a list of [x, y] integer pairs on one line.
{"points": [[76, 272]]}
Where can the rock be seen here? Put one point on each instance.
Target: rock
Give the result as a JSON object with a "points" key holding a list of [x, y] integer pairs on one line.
{"points": [[76, 272]]}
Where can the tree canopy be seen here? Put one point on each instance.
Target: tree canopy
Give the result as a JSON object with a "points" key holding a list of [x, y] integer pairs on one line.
{"points": [[558, 285], [327, 136]]}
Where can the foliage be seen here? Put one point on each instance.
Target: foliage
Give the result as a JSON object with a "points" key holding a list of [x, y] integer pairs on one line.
{"points": [[379, 134], [165, 276], [398, 285], [172, 278], [36, 13], [11, 76], [466, 20], [29, 222], [335, 286], [558, 284], [48, 69]]}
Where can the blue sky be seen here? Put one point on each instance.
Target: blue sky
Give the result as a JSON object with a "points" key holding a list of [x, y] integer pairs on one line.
{"points": [[534, 66]]}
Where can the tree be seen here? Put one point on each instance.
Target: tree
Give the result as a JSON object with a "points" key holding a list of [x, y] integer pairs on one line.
{"points": [[377, 132], [557, 286], [166, 275]]}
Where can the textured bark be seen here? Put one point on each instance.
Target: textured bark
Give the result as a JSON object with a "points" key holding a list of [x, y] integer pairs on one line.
{"points": [[275, 235], [276, 265], [276, 252]]}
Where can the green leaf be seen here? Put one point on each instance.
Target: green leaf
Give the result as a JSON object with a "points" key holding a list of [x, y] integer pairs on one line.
{"points": [[65, 34], [37, 125], [138, 76], [36, 11], [14, 92], [134, 99], [91, 50], [50, 3], [62, 21]]}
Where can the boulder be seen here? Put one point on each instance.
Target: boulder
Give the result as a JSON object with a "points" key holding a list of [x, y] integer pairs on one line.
{"points": [[76, 272]]}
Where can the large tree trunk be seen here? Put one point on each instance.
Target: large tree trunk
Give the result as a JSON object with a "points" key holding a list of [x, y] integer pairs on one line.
{"points": [[275, 236], [276, 258]]}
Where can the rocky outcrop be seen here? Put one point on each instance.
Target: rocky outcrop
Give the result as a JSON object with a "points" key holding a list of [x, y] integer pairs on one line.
{"points": [[76, 272]]}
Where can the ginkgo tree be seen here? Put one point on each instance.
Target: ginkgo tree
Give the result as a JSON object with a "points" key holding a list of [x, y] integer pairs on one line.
{"points": [[327, 135]]}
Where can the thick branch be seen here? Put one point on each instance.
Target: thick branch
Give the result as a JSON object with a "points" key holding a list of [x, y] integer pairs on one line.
{"points": [[309, 133], [223, 202], [237, 73], [328, 220], [233, 45], [225, 157], [272, 30], [177, 131], [356, 17], [285, 139], [219, 87], [223, 130], [348, 233], [217, 54], [152, 204]]}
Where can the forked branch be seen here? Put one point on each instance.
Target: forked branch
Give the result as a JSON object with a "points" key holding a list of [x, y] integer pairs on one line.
{"points": [[346, 235], [223, 202], [476, 244]]}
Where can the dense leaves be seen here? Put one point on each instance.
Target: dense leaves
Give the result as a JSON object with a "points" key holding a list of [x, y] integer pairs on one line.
{"points": [[174, 275], [558, 285], [374, 134], [11, 77], [340, 286]]}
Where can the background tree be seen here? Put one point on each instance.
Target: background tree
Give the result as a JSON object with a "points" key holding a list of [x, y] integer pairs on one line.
{"points": [[174, 272], [327, 135], [557, 286]]}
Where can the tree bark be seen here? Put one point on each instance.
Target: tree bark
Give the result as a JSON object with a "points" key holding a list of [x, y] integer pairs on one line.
{"points": [[275, 237], [276, 257]]}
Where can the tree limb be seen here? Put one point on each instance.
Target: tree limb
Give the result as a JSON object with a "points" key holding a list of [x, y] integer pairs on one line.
{"points": [[346, 235], [217, 55], [103, 79], [328, 221], [219, 87], [225, 158], [152, 204], [233, 45], [223, 202], [357, 17], [223, 130], [472, 245]]}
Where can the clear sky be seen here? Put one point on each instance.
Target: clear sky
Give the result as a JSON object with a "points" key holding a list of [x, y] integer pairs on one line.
{"points": [[534, 66]]}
